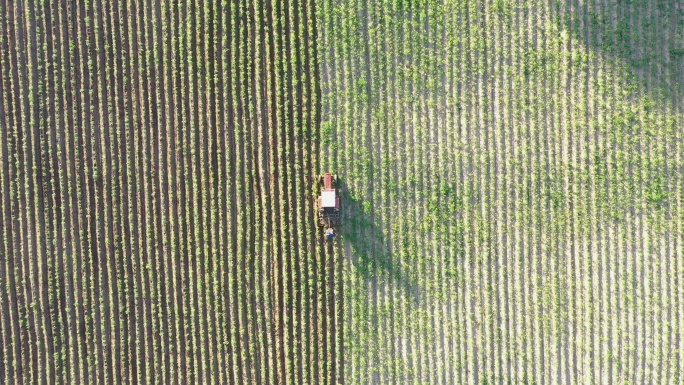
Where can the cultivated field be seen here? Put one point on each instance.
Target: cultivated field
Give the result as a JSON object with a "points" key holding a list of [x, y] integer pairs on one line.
{"points": [[515, 173], [513, 176], [157, 164]]}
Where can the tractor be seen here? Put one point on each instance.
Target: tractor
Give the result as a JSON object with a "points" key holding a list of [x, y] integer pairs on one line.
{"points": [[329, 204]]}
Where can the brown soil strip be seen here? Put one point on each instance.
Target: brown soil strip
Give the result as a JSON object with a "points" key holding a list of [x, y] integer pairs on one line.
{"points": [[123, 194]]}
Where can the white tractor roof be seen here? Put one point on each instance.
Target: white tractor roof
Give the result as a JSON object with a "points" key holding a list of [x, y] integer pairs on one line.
{"points": [[328, 197]]}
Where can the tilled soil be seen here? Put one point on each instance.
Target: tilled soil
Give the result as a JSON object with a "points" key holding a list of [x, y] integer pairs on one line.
{"points": [[158, 170]]}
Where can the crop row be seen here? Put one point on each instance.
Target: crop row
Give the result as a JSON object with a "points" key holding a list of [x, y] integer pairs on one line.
{"points": [[158, 165], [514, 178]]}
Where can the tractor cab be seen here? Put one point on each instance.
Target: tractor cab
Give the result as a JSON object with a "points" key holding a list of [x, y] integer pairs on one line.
{"points": [[329, 203]]}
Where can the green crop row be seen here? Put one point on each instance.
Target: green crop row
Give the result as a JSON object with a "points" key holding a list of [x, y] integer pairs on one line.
{"points": [[158, 162], [513, 204]]}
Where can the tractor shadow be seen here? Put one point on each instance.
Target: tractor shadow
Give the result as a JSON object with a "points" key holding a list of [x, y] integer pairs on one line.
{"points": [[369, 249]]}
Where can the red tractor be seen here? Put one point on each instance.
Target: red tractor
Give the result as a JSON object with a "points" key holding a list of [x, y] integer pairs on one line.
{"points": [[329, 204]]}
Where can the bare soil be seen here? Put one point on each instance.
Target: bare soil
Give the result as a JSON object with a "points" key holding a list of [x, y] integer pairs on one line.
{"points": [[134, 188]]}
